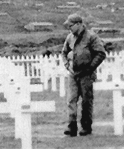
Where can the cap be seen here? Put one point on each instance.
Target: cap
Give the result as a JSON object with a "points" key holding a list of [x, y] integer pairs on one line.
{"points": [[72, 19]]}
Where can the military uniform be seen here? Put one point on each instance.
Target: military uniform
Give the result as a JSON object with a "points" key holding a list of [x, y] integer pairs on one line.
{"points": [[88, 54]]}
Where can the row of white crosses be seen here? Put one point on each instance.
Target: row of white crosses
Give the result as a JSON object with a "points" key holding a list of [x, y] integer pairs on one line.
{"points": [[16, 89], [52, 67], [112, 66], [44, 68]]}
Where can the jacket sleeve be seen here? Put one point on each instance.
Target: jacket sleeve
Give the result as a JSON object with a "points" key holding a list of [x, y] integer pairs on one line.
{"points": [[98, 52], [65, 50]]}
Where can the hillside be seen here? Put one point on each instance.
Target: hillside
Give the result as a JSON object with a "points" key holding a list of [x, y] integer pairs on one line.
{"points": [[16, 40]]}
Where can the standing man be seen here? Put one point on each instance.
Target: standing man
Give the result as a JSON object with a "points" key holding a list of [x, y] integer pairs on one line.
{"points": [[86, 51]]}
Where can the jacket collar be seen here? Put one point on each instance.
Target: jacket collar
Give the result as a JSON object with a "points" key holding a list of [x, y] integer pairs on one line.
{"points": [[81, 36]]}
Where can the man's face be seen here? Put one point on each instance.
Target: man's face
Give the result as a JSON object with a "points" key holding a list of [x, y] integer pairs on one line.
{"points": [[74, 28]]}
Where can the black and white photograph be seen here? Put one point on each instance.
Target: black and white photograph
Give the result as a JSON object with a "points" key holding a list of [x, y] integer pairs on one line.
{"points": [[61, 74]]}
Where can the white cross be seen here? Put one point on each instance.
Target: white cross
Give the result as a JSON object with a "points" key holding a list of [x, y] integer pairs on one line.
{"points": [[20, 107], [116, 85]]}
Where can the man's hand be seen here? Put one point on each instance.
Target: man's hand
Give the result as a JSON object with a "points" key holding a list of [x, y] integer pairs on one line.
{"points": [[71, 70]]}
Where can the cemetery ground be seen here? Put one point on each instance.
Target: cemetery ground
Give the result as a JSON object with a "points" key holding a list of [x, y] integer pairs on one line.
{"points": [[47, 128]]}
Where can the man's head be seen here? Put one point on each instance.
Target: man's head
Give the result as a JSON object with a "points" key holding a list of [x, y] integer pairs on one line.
{"points": [[74, 23], [73, 19]]}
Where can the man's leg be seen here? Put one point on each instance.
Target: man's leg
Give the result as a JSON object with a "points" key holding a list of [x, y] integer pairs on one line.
{"points": [[87, 105], [72, 98]]}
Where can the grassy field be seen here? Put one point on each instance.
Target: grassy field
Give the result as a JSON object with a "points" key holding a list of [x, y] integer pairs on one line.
{"points": [[47, 128]]}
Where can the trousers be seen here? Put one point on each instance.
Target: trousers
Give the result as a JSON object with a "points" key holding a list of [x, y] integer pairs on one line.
{"points": [[80, 86]]}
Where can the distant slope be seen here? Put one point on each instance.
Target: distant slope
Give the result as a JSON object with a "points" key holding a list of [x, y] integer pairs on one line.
{"points": [[16, 13]]}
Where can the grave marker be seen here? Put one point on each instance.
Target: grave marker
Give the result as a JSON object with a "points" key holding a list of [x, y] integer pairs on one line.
{"points": [[116, 86], [16, 89], [21, 108]]}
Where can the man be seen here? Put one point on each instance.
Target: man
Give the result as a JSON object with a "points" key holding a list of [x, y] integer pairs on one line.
{"points": [[87, 53]]}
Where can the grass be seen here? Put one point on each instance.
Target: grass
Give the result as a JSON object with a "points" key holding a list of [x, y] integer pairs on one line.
{"points": [[47, 128]]}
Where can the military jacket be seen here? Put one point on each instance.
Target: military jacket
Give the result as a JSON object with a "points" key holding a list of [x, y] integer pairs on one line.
{"points": [[88, 52]]}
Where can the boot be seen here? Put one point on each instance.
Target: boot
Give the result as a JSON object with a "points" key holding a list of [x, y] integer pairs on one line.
{"points": [[86, 128], [72, 129], [85, 132]]}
